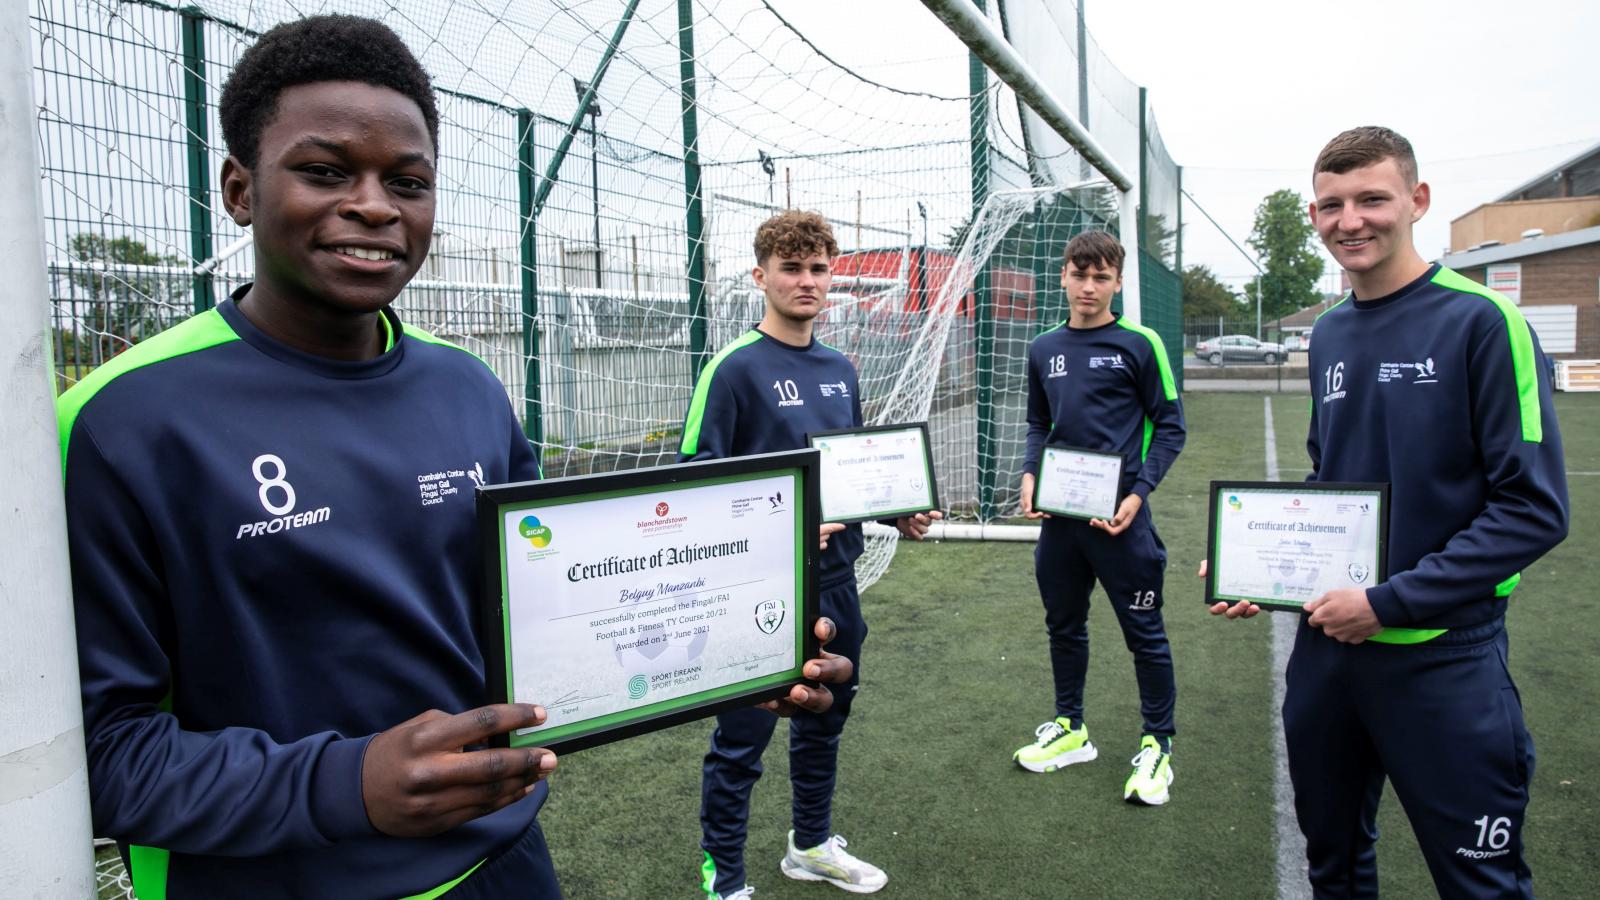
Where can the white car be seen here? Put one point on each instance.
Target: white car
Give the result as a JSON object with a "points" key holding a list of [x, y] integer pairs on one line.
{"points": [[1238, 348]]}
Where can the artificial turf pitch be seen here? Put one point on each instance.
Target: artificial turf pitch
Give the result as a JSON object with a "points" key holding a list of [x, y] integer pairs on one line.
{"points": [[956, 676]]}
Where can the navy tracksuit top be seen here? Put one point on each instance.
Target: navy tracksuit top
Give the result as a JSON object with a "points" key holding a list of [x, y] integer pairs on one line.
{"points": [[1441, 389], [760, 395], [274, 558], [1087, 388]]}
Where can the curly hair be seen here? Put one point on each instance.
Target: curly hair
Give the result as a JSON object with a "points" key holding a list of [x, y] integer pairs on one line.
{"points": [[1367, 146], [795, 233], [319, 48], [1094, 248]]}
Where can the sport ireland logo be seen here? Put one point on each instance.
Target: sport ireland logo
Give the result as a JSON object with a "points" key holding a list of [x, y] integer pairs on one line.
{"points": [[638, 686]]}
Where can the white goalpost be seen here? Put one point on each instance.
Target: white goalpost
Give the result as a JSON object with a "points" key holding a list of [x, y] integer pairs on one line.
{"points": [[44, 786]]}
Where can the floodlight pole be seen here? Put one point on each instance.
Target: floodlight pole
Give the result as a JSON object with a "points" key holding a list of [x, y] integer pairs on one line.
{"points": [[44, 780]]}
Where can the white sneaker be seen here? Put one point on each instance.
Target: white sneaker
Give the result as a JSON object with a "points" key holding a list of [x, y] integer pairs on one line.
{"points": [[744, 893], [829, 862]]}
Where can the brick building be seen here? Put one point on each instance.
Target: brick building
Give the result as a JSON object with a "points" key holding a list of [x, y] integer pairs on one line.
{"points": [[1556, 281]]}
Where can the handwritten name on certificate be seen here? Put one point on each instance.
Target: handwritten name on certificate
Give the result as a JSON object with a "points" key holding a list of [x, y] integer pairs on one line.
{"points": [[621, 605], [1288, 546]]}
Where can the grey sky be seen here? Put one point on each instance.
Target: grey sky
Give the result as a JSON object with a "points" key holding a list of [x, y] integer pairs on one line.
{"points": [[1247, 91]]}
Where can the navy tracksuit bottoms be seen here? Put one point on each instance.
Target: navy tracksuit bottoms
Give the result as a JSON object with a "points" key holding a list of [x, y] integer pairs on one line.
{"points": [[1441, 720], [523, 870], [1071, 555], [733, 764]]}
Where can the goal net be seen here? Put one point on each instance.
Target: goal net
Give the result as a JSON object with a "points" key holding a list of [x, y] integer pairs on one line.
{"points": [[597, 257]]}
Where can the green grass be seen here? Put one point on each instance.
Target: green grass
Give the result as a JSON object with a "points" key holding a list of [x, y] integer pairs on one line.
{"points": [[955, 677]]}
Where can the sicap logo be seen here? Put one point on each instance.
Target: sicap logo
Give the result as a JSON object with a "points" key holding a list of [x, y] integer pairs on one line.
{"points": [[537, 533]]}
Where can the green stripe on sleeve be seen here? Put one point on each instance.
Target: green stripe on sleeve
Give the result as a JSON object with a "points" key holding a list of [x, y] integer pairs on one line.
{"points": [[428, 338], [147, 866], [697, 406], [1423, 635], [1522, 359], [1165, 365], [1406, 635], [196, 333]]}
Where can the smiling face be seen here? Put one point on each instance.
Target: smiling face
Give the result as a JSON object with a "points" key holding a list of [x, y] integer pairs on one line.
{"points": [[340, 201], [796, 286], [1365, 217], [1089, 292]]}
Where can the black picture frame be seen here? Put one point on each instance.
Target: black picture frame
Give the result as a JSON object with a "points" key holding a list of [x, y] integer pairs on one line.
{"points": [[494, 639], [927, 461], [1380, 490], [1038, 481]]}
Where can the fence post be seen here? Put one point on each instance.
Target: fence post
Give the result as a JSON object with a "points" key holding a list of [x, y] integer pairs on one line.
{"points": [[978, 88], [694, 211], [1178, 239], [532, 401], [44, 782], [1144, 167], [196, 141]]}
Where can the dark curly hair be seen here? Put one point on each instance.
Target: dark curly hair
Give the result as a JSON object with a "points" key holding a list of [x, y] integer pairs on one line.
{"points": [[794, 233], [319, 48]]}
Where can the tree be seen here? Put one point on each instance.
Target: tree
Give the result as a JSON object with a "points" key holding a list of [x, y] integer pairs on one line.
{"points": [[1204, 295], [119, 297], [1284, 238]]}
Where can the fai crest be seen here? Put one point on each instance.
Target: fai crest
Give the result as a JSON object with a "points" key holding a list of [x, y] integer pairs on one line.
{"points": [[1359, 572], [769, 615]]}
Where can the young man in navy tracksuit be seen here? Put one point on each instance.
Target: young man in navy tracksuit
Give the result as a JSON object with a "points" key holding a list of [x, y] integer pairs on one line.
{"points": [[275, 591], [1428, 381], [763, 393], [1098, 382]]}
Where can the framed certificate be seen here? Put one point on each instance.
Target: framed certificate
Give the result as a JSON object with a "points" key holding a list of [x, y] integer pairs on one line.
{"points": [[1283, 544], [875, 472], [1080, 484], [628, 602]]}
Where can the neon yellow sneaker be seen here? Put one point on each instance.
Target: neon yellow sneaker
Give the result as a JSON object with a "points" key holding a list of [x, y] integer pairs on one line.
{"points": [[1056, 745], [828, 861], [1152, 774]]}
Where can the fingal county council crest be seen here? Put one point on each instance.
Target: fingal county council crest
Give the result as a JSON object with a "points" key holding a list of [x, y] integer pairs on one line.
{"points": [[1359, 572], [769, 615]]}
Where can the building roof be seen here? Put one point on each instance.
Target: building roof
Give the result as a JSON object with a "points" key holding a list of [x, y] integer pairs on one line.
{"points": [[1590, 155], [1468, 259], [1305, 317]]}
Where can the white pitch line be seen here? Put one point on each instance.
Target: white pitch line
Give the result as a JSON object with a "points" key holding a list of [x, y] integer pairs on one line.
{"points": [[1292, 883]]}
